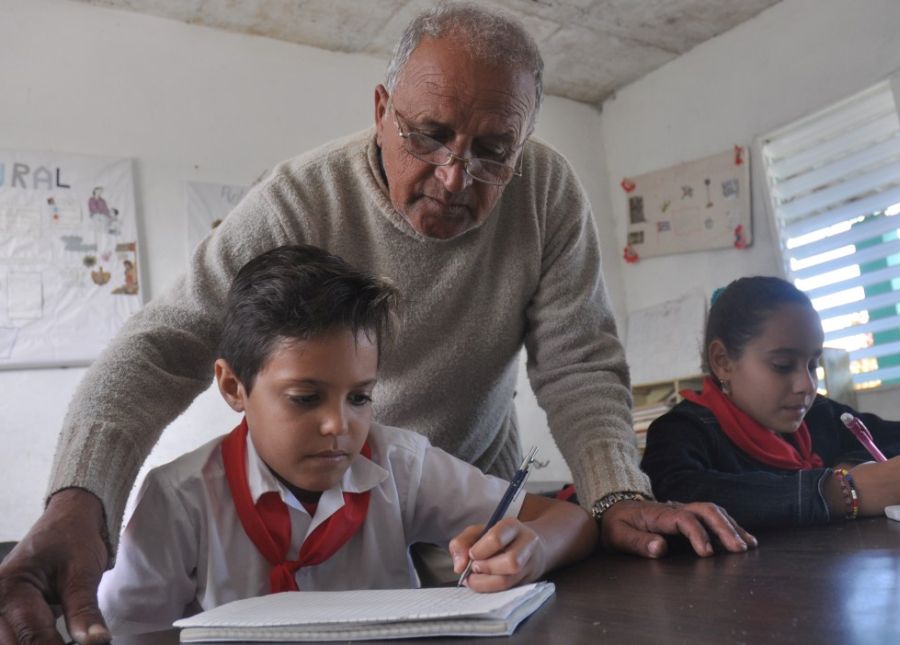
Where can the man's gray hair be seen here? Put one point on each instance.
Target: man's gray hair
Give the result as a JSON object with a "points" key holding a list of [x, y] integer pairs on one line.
{"points": [[486, 34]]}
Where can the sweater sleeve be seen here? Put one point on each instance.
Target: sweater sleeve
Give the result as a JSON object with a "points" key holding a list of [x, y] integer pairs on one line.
{"points": [[576, 363], [156, 365], [689, 459]]}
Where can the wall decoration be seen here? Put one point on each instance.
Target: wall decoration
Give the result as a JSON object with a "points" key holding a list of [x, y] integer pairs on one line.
{"points": [[206, 205], [68, 256], [694, 206], [652, 356]]}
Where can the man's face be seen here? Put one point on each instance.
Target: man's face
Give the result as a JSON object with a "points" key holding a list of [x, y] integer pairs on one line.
{"points": [[474, 110], [310, 407]]}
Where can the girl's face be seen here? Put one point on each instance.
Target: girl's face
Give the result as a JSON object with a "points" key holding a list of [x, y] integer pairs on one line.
{"points": [[774, 380]]}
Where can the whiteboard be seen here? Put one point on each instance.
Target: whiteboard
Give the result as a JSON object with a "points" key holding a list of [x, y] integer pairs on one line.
{"points": [[68, 256], [694, 206], [664, 342]]}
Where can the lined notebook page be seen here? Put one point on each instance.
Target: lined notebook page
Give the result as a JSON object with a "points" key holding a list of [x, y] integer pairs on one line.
{"points": [[364, 606]]}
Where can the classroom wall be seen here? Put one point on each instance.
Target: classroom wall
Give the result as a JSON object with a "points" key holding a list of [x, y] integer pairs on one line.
{"points": [[188, 103], [792, 59]]}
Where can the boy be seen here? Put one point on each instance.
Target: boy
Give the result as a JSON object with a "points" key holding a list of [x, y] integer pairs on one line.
{"points": [[307, 492]]}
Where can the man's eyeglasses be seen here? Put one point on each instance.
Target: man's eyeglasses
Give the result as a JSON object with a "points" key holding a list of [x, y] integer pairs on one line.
{"points": [[432, 151]]}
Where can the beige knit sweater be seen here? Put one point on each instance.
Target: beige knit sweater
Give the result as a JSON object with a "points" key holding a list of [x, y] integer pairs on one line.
{"points": [[530, 274]]}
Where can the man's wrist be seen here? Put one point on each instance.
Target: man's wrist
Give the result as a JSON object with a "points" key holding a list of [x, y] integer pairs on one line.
{"points": [[599, 507], [77, 501]]}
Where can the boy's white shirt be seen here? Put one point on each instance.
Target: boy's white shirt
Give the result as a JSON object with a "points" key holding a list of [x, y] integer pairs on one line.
{"points": [[184, 550], [362, 475]]}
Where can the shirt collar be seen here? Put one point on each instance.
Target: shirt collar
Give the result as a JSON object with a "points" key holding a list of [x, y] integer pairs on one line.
{"points": [[362, 475]]}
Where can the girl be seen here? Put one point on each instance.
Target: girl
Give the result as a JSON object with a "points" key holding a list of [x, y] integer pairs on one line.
{"points": [[757, 440]]}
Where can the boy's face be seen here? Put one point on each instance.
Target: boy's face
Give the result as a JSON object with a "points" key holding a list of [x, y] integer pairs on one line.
{"points": [[310, 407]]}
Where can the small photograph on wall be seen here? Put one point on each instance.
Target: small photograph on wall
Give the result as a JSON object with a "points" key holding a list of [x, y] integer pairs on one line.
{"points": [[694, 206]]}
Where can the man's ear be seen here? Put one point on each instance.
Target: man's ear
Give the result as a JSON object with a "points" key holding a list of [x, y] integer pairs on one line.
{"points": [[381, 102], [720, 364], [230, 385]]}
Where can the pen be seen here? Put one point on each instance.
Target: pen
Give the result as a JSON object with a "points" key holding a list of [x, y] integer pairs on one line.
{"points": [[861, 432], [515, 485]]}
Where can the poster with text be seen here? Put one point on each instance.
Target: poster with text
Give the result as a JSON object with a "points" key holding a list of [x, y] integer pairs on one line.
{"points": [[206, 205], [694, 206], [68, 256]]}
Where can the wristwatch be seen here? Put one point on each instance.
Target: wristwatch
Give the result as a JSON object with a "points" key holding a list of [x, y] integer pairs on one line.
{"points": [[603, 504]]}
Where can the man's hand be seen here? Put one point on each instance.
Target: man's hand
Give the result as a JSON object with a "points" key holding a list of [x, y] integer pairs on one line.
{"points": [[637, 527], [59, 561]]}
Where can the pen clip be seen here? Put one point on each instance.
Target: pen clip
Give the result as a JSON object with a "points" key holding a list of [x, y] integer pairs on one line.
{"points": [[526, 463]]}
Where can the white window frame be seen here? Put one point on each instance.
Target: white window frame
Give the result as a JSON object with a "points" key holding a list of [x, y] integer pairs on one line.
{"points": [[833, 168]]}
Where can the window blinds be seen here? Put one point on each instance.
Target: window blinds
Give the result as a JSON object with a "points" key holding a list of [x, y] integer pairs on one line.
{"points": [[834, 183]]}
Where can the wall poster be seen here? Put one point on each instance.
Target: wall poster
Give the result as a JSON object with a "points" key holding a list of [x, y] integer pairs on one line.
{"points": [[206, 205], [694, 206], [68, 256]]}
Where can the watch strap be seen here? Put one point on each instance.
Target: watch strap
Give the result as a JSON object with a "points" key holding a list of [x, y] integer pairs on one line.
{"points": [[606, 502]]}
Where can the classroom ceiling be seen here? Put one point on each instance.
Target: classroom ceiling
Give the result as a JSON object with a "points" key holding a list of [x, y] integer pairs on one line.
{"points": [[590, 47]]}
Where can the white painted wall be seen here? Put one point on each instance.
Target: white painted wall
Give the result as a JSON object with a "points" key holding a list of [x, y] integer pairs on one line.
{"points": [[792, 59], [187, 103]]}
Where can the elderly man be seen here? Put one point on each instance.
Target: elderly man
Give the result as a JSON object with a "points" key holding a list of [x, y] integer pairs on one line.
{"points": [[489, 237]]}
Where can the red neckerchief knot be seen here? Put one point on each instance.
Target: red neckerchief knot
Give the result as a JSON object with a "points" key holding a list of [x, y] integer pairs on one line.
{"points": [[268, 524]]}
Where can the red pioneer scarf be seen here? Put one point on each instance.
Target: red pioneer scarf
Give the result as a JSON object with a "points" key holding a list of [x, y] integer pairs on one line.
{"points": [[268, 524], [751, 437]]}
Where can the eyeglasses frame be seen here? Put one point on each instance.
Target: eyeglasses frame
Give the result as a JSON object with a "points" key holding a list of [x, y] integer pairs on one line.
{"points": [[451, 156]]}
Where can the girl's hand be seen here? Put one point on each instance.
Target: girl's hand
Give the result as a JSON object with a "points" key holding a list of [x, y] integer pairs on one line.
{"points": [[511, 553], [878, 485]]}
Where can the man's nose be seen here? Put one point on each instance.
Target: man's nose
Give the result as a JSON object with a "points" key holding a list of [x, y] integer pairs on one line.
{"points": [[454, 175]]}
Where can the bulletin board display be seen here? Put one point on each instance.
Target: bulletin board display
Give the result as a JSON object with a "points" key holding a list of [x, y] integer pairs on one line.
{"points": [[68, 256], [652, 356], [206, 205], [694, 206]]}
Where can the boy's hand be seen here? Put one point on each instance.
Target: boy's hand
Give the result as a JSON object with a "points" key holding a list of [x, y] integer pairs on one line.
{"points": [[509, 554]]}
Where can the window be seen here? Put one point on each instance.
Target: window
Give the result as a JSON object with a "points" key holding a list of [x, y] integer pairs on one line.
{"points": [[833, 180]]}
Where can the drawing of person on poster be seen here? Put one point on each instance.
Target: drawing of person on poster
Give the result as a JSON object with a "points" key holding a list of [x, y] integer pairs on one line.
{"points": [[100, 211], [127, 253]]}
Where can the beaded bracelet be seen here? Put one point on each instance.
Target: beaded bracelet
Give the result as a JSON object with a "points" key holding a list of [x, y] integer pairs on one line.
{"points": [[851, 496]]}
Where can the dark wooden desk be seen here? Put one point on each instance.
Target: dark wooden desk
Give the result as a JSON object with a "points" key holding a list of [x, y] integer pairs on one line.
{"points": [[837, 585]]}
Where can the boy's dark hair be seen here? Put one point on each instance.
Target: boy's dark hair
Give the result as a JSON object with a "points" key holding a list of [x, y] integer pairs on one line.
{"points": [[738, 314], [298, 292]]}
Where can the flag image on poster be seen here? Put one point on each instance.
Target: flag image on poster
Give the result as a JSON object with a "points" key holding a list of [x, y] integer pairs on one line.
{"points": [[68, 256]]}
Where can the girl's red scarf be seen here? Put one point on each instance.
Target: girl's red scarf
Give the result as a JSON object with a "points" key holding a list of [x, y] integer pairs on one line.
{"points": [[268, 523], [751, 437]]}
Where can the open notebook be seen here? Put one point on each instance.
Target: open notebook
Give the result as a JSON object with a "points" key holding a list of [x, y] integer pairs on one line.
{"points": [[367, 615]]}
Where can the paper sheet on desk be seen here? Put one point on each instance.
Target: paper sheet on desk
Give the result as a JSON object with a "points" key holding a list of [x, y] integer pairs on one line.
{"points": [[367, 614], [893, 512]]}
